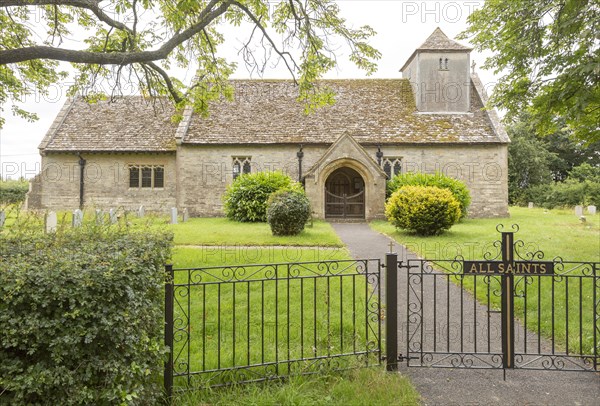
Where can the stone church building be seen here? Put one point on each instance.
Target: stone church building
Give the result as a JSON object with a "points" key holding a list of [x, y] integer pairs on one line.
{"points": [[129, 153]]}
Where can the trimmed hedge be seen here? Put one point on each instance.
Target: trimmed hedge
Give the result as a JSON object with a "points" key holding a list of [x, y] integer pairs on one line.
{"points": [[246, 198], [82, 316], [287, 212], [457, 187], [427, 210], [13, 191]]}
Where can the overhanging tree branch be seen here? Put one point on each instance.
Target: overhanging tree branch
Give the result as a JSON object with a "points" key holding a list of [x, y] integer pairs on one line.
{"points": [[207, 16]]}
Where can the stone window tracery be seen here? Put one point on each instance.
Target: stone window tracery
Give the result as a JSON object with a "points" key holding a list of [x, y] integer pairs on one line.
{"points": [[241, 165]]}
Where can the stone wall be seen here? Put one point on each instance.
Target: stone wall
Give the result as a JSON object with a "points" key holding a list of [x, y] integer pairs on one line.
{"points": [[205, 171], [106, 182], [484, 168], [441, 90]]}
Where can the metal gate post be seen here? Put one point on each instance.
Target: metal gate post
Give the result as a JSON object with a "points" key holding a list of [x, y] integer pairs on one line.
{"points": [[508, 311], [168, 372], [391, 314]]}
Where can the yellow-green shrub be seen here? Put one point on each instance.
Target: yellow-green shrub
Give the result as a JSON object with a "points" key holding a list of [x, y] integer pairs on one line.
{"points": [[427, 210], [458, 188]]}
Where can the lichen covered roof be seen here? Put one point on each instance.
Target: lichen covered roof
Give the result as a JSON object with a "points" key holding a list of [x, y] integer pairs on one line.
{"points": [[371, 110], [267, 112], [124, 124]]}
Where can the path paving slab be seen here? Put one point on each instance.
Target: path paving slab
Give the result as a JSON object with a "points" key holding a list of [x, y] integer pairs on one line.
{"points": [[461, 386]]}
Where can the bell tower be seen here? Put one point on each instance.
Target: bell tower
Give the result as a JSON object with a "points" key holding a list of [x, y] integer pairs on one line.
{"points": [[438, 72]]}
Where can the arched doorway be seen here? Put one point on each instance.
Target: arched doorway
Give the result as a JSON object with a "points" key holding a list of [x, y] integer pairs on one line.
{"points": [[345, 194]]}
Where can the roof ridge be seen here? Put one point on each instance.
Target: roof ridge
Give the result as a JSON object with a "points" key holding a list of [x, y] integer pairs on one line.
{"points": [[438, 40]]}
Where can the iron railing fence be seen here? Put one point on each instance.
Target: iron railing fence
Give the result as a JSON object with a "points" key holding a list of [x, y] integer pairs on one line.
{"points": [[249, 323]]}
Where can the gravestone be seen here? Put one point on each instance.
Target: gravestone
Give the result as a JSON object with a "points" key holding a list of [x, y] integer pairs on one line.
{"points": [[591, 210], [77, 218], [530, 205], [112, 216], [2, 218], [186, 215], [173, 215], [141, 211], [51, 222], [99, 217], [579, 211]]}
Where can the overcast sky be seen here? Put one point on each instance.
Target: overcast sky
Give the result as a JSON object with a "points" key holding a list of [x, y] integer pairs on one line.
{"points": [[401, 27]]}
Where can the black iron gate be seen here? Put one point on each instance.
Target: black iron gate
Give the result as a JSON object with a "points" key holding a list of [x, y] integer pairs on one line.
{"points": [[529, 313], [236, 324]]}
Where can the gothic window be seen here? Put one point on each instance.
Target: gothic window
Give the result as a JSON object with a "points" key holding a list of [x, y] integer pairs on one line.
{"points": [[146, 176], [241, 165], [391, 166]]}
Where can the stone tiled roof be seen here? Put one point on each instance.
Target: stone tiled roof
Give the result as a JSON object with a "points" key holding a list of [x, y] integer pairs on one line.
{"points": [[371, 110], [438, 41], [267, 112], [124, 125]]}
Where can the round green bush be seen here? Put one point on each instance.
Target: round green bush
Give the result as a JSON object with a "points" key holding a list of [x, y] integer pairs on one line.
{"points": [[457, 187], [427, 210], [287, 212], [246, 198]]}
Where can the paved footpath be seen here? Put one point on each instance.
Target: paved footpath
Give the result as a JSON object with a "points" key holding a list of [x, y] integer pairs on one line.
{"points": [[443, 386]]}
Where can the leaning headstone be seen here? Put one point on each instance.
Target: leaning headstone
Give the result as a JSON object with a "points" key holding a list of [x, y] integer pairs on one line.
{"points": [[51, 222], [579, 211], [112, 216], [2, 218], [99, 217], [77, 218], [590, 209], [186, 215], [141, 211], [530, 205], [173, 215]]}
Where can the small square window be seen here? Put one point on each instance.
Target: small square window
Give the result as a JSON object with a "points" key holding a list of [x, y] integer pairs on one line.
{"points": [[147, 177]]}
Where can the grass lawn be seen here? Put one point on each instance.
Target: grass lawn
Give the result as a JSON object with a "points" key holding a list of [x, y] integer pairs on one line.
{"points": [[362, 387], [555, 232], [222, 231], [551, 301]]}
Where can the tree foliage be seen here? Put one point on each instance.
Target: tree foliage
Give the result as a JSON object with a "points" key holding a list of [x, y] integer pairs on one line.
{"points": [[536, 163], [138, 42], [548, 53]]}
